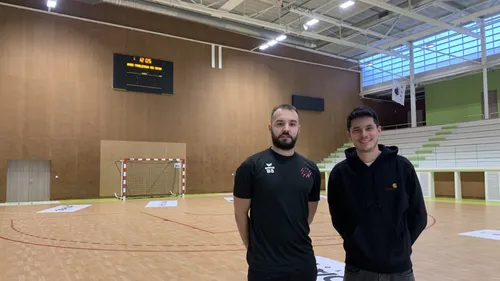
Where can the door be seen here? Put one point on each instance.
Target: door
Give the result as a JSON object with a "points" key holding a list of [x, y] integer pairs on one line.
{"points": [[492, 104], [28, 180]]}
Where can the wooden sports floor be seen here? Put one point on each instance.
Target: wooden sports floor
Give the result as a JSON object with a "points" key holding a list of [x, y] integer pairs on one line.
{"points": [[198, 240]]}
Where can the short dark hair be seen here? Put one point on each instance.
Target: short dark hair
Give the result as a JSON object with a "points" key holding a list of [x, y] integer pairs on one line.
{"points": [[362, 111], [284, 106]]}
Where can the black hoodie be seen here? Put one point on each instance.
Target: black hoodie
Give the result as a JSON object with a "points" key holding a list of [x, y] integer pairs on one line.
{"points": [[378, 210]]}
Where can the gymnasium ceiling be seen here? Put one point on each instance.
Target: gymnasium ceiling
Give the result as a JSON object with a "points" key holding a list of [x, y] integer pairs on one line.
{"points": [[365, 28]]}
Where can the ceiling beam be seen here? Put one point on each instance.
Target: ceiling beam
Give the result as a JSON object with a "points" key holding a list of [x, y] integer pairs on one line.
{"points": [[372, 24], [277, 27], [352, 45], [413, 15], [230, 5], [449, 7], [416, 36], [337, 22]]}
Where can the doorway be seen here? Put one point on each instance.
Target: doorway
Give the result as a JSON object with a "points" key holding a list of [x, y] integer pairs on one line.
{"points": [[28, 180], [492, 104]]}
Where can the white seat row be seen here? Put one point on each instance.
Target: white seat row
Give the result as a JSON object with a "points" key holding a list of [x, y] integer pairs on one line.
{"points": [[403, 146], [463, 155], [429, 164], [471, 144], [473, 134], [480, 128], [477, 123], [470, 141], [426, 129], [446, 147]]}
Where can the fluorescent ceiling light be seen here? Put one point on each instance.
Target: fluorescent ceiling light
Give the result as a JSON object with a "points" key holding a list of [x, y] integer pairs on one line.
{"points": [[312, 22], [272, 42], [347, 4], [281, 37], [51, 3]]}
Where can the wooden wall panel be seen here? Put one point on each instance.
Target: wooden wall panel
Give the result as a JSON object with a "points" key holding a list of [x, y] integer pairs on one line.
{"points": [[444, 184], [473, 185], [56, 88]]}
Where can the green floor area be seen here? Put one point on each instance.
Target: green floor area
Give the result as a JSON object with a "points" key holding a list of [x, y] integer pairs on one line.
{"points": [[464, 201]]}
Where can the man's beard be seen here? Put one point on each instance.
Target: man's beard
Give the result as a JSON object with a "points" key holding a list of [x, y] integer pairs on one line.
{"points": [[283, 143]]}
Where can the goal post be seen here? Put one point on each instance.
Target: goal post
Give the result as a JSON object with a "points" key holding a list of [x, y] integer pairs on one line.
{"points": [[152, 177]]}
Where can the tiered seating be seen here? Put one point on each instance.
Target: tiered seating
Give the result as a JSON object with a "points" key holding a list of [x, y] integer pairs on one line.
{"points": [[411, 141], [464, 145], [471, 144]]}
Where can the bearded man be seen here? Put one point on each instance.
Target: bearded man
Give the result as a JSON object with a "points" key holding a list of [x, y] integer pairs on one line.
{"points": [[281, 189]]}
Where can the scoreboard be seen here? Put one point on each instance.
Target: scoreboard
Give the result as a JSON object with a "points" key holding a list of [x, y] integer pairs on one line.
{"points": [[142, 74]]}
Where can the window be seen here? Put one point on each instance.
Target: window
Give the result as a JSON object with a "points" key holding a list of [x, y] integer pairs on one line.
{"points": [[432, 53]]}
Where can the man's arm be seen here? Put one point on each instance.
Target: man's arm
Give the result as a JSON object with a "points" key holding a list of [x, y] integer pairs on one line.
{"points": [[241, 207], [314, 194], [417, 213], [336, 202], [243, 187]]}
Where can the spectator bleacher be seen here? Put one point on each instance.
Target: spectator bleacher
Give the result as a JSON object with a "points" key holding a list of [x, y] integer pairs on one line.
{"points": [[464, 145]]}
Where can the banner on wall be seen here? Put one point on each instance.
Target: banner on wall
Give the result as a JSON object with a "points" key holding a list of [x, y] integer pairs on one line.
{"points": [[398, 92]]}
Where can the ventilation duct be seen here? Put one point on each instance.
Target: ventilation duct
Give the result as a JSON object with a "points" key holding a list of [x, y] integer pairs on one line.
{"points": [[208, 20]]}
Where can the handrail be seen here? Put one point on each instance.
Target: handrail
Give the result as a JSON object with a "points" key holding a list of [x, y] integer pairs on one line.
{"points": [[402, 125], [408, 125]]}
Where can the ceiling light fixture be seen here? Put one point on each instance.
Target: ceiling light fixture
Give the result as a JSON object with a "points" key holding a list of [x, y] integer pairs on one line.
{"points": [[272, 42], [347, 4], [51, 3]]}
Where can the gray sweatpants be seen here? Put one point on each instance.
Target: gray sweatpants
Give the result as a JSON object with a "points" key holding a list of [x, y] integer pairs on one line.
{"points": [[355, 274]]}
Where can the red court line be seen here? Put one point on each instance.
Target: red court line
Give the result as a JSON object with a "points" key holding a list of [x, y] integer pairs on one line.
{"points": [[179, 223], [137, 250], [432, 223], [12, 226], [127, 250], [150, 251]]}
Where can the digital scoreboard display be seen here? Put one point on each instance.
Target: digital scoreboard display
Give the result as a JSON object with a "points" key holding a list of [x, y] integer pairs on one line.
{"points": [[143, 74]]}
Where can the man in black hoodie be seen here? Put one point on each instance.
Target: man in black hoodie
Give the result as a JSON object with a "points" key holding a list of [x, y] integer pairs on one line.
{"points": [[376, 204]]}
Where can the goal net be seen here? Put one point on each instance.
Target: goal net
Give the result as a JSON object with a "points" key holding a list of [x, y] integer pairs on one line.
{"points": [[152, 177]]}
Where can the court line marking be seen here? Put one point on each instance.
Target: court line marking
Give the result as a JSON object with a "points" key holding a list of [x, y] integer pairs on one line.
{"points": [[140, 245], [179, 223], [128, 250]]}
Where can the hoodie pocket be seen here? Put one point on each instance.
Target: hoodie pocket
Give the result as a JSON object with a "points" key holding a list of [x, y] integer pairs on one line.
{"points": [[378, 240]]}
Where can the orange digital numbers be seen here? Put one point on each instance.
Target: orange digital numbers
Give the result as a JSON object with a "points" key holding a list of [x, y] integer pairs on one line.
{"points": [[146, 60]]}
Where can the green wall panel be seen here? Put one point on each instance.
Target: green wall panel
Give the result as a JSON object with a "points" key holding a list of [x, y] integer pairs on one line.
{"points": [[458, 100]]}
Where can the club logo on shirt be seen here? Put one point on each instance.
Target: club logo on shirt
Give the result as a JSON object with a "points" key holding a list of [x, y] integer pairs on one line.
{"points": [[269, 168], [306, 173]]}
